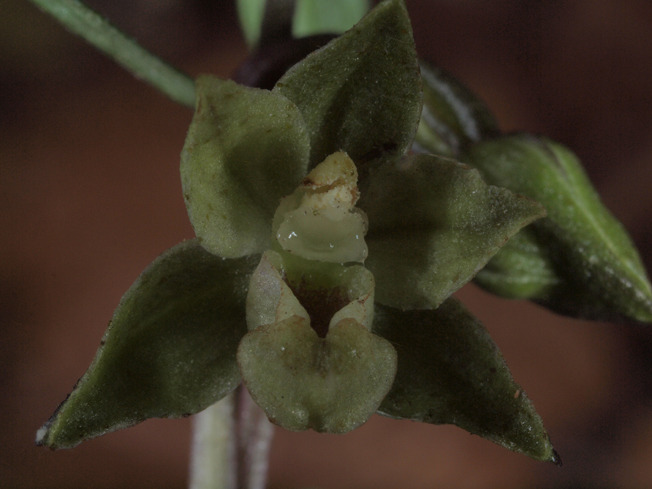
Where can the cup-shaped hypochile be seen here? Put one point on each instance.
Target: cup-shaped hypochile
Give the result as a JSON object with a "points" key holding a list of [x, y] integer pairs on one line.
{"points": [[309, 359], [285, 285], [319, 221]]}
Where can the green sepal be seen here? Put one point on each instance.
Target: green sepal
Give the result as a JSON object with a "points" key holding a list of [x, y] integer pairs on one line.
{"points": [[246, 149], [327, 16], [361, 93], [452, 116], [301, 381], [169, 350], [600, 274], [433, 223], [451, 372]]}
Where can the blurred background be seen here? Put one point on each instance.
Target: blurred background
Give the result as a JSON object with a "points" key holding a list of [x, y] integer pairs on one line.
{"points": [[90, 194]]}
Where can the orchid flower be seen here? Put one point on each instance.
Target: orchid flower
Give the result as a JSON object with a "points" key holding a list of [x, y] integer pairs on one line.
{"points": [[325, 258]]}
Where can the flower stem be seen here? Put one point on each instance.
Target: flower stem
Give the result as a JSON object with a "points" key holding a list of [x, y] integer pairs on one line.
{"points": [[83, 21], [211, 452], [254, 439], [231, 443]]}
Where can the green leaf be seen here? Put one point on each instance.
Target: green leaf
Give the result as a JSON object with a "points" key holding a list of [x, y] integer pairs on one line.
{"points": [[451, 372], [600, 274], [332, 384], [361, 93], [250, 14], [452, 116], [327, 16], [169, 350], [246, 149], [433, 223]]}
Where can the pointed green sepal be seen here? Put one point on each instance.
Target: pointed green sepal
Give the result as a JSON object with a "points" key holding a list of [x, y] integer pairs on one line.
{"points": [[246, 148], [169, 351], [451, 372], [361, 93], [599, 274], [433, 223], [452, 116]]}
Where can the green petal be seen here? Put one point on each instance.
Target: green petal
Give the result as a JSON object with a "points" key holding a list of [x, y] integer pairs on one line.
{"points": [[452, 115], [433, 223], [361, 93], [169, 350], [331, 384], [246, 149], [451, 372], [599, 272]]}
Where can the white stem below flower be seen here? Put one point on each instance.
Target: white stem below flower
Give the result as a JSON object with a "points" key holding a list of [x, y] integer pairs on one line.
{"points": [[230, 447], [210, 458]]}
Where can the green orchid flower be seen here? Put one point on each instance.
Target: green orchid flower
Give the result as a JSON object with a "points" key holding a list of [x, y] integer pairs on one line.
{"points": [[323, 266]]}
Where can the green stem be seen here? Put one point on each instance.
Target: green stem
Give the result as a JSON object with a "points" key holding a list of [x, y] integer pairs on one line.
{"points": [[81, 20]]}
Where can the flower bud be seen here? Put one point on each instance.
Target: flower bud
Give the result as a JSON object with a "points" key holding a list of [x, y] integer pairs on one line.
{"points": [[579, 260]]}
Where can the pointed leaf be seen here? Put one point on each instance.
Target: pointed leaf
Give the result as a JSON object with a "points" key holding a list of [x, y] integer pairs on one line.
{"points": [[327, 16], [246, 148], [452, 115], [433, 223], [600, 273], [451, 372], [169, 350], [361, 93]]}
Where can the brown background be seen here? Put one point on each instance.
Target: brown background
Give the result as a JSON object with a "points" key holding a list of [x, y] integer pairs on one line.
{"points": [[90, 194]]}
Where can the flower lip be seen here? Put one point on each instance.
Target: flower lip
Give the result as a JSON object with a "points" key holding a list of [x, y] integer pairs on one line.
{"points": [[310, 359]]}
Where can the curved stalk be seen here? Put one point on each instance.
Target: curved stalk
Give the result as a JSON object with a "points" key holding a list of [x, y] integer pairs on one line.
{"points": [[88, 24]]}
